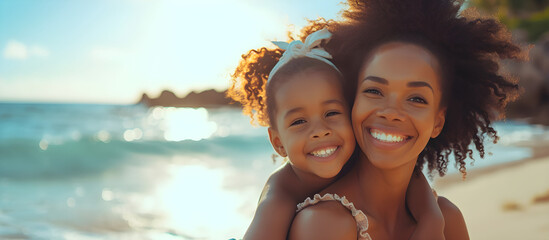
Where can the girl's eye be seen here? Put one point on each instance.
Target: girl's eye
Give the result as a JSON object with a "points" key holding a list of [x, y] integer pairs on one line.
{"points": [[418, 100], [332, 113], [373, 91], [297, 122]]}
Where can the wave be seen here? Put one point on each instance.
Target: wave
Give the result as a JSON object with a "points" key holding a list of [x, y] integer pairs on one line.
{"points": [[24, 159]]}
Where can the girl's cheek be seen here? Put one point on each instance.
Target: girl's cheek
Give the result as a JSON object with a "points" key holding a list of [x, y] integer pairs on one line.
{"points": [[345, 128]]}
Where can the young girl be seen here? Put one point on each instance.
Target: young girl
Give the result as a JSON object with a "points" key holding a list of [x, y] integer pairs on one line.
{"points": [[298, 94], [426, 85]]}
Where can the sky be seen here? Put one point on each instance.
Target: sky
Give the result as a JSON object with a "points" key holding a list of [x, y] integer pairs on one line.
{"points": [[112, 51]]}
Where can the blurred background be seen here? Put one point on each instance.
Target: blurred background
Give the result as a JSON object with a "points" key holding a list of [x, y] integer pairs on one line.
{"points": [[114, 125]]}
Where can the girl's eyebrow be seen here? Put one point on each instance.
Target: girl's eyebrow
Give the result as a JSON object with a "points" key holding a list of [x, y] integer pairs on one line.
{"points": [[293, 110], [333, 101], [409, 84], [298, 109]]}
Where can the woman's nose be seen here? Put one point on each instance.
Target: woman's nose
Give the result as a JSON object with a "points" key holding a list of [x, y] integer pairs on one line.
{"points": [[391, 114]]}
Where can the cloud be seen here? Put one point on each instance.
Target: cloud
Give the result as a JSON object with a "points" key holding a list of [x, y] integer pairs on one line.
{"points": [[15, 50], [19, 51]]}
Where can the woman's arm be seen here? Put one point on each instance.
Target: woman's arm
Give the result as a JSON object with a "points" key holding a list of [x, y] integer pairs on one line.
{"points": [[425, 209], [455, 227], [325, 220]]}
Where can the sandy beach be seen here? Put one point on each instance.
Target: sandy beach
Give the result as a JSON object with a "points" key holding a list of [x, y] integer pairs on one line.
{"points": [[509, 201]]}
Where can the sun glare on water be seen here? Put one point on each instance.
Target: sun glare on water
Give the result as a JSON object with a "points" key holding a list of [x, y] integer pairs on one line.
{"points": [[197, 203], [184, 123]]}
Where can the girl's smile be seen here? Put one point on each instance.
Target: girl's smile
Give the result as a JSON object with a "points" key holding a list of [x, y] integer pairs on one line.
{"points": [[324, 154]]}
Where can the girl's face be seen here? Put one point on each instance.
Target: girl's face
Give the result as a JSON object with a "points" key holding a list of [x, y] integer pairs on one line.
{"points": [[397, 105], [312, 123]]}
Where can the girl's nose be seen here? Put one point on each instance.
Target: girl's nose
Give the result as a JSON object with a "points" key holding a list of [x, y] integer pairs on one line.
{"points": [[321, 131]]}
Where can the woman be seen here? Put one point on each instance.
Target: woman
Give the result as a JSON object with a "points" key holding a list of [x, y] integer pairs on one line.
{"points": [[425, 83]]}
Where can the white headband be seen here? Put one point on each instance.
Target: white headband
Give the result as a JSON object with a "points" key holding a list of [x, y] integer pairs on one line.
{"points": [[311, 48]]}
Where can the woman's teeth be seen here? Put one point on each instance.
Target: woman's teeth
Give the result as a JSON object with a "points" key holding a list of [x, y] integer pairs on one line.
{"points": [[324, 152], [386, 137]]}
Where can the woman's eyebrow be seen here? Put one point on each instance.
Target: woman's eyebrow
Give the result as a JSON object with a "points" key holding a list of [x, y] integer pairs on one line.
{"points": [[420, 84], [409, 84], [377, 80]]}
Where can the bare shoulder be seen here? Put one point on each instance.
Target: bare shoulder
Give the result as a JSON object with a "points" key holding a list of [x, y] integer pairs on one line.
{"points": [[454, 227], [451, 212], [325, 220]]}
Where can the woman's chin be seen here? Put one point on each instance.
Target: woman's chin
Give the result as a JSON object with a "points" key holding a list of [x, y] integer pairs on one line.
{"points": [[387, 162]]}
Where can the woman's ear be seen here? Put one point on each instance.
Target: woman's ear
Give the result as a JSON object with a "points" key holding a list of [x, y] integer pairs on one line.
{"points": [[274, 136], [440, 118]]}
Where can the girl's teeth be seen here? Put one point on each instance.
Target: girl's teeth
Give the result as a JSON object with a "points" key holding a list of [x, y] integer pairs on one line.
{"points": [[386, 137], [324, 152]]}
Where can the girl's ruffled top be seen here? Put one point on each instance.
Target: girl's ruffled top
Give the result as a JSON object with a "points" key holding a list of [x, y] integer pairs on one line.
{"points": [[360, 217]]}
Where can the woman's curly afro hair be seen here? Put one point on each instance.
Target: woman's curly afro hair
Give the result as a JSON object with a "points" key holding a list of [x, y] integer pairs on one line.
{"points": [[468, 48]]}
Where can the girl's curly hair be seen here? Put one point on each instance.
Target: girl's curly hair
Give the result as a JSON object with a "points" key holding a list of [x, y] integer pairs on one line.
{"points": [[249, 81], [469, 49]]}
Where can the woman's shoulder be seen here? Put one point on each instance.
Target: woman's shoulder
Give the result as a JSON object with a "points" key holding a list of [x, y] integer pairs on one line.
{"points": [[454, 223], [324, 220]]}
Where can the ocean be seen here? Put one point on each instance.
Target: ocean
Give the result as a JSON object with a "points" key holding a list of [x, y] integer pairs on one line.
{"points": [[86, 171]]}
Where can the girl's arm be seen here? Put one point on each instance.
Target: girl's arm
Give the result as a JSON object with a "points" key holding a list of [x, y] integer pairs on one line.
{"points": [[272, 220], [274, 213], [425, 209]]}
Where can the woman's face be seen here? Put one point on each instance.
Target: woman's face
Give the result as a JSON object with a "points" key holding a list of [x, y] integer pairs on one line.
{"points": [[397, 105]]}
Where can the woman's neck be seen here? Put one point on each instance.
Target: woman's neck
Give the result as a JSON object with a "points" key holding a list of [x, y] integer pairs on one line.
{"points": [[384, 193]]}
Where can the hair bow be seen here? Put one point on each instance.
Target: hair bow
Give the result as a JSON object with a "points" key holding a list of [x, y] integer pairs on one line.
{"points": [[311, 48]]}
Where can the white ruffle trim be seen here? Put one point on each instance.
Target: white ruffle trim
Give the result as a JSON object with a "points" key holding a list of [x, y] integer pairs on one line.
{"points": [[360, 217]]}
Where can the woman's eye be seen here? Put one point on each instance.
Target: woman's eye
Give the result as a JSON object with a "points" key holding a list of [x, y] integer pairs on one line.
{"points": [[332, 113], [418, 100], [373, 91], [297, 122]]}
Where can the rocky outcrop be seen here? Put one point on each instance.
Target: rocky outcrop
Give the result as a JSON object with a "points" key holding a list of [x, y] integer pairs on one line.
{"points": [[533, 76], [208, 99]]}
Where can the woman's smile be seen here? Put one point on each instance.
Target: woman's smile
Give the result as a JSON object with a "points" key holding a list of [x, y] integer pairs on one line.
{"points": [[387, 137], [386, 140]]}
